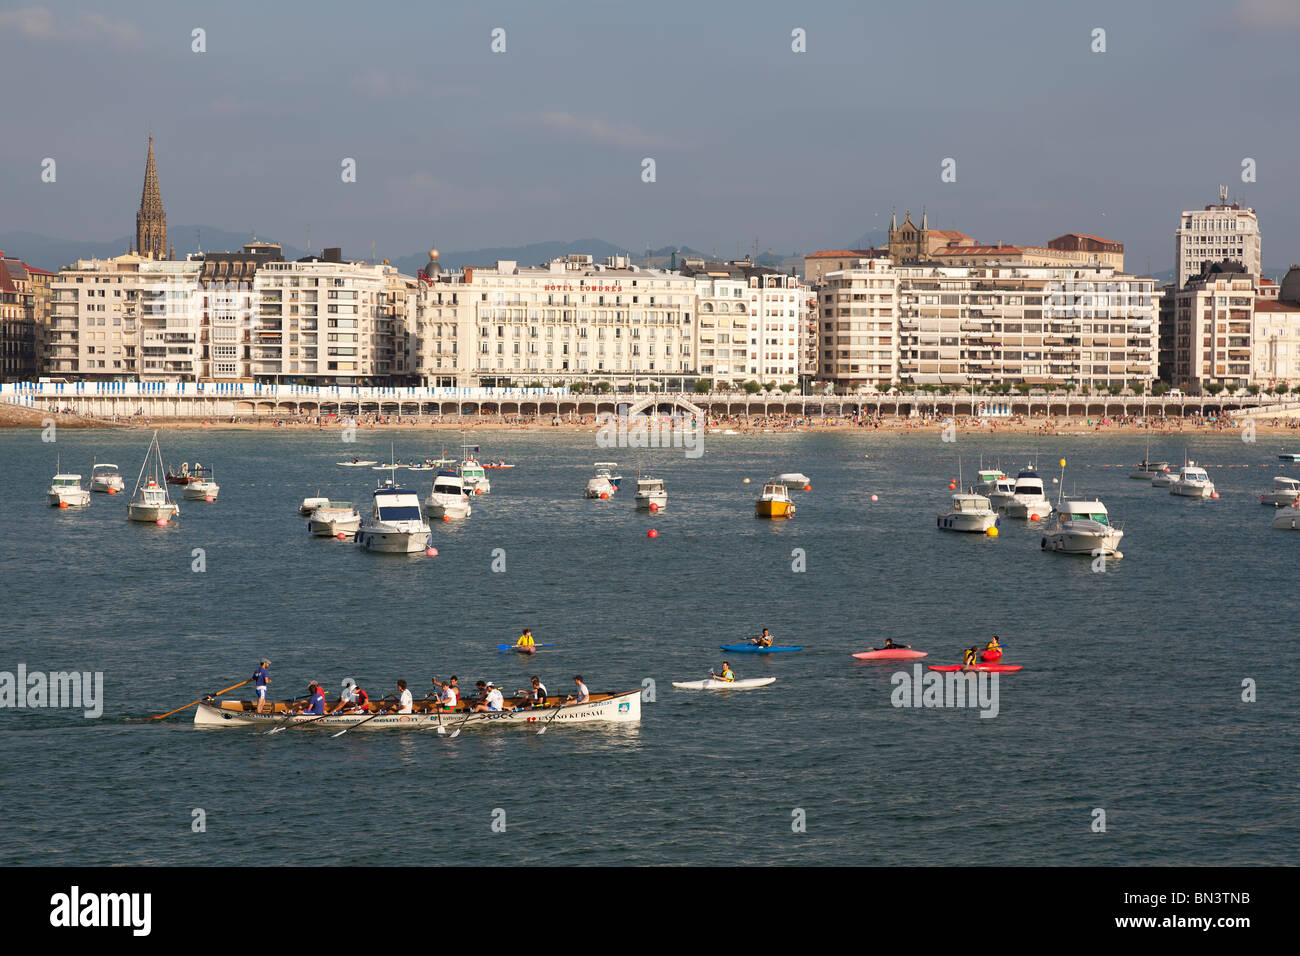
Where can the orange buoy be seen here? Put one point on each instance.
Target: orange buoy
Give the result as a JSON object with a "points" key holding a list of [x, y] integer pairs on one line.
{"points": [[652, 533], [340, 536], [1214, 494], [952, 486], [446, 517], [209, 498], [1033, 517], [112, 491], [63, 504], [162, 522], [604, 494], [746, 481], [431, 552], [807, 487], [874, 498], [654, 507]]}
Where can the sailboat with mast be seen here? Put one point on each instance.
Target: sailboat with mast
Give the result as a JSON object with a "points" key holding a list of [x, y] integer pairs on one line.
{"points": [[151, 503], [1147, 469]]}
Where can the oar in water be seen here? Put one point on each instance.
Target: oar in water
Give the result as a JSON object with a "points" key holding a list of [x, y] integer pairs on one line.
{"points": [[469, 711], [199, 701], [541, 730], [321, 717], [378, 713]]}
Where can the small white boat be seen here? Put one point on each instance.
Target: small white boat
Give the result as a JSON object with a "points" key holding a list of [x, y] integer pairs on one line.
{"points": [[358, 463], [1288, 457], [334, 518], [472, 473], [1147, 470], [601, 485], [1163, 479], [994, 485], [448, 499], [151, 502], [106, 479], [1286, 492], [971, 513], [1028, 498], [712, 683], [394, 525], [311, 504], [1082, 527], [65, 491], [650, 491], [796, 478], [201, 486], [774, 502], [1192, 482], [1287, 519]]}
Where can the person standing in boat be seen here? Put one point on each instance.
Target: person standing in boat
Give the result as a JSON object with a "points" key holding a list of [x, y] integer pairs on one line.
{"points": [[727, 673], [262, 680]]}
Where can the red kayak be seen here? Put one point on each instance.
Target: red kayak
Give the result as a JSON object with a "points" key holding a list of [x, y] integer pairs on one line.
{"points": [[890, 654], [991, 656], [994, 668]]}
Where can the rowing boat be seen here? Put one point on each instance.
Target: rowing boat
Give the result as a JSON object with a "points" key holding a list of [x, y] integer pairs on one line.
{"points": [[618, 707], [712, 683]]}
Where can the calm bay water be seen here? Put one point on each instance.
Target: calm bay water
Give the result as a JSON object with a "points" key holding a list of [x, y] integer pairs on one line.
{"points": [[1129, 700]]}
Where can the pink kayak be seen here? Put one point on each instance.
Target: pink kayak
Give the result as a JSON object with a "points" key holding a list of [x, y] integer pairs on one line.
{"points": [[890, 654], [994, 668]]}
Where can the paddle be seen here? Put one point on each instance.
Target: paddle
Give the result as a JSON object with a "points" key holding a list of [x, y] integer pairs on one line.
{"points": [[558, 707], [377, 713], [511, 647], [199, 701], [469, 711]]}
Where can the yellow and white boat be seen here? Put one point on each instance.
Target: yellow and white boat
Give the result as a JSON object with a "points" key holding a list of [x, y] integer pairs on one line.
{"points": [[774, 502]]}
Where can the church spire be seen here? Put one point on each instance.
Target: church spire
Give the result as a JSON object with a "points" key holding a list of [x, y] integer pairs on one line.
{"points": [[925, 220], [151, 220]]}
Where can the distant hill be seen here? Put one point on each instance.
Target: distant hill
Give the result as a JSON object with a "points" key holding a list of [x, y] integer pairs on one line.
{"points": [[45, 252]]}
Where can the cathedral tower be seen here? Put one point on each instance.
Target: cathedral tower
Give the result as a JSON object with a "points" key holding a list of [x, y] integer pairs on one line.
{"points": [[151, 221]]}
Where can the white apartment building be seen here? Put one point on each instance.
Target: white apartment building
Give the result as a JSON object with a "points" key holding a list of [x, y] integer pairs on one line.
{"points": [[1214, 328], [1217, 232], [126, 318], [1276, 338], [571, 320], [858, 328], [325, 321]]}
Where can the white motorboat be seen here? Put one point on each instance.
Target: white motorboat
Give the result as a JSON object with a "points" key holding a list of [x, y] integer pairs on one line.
{"points": [[601, 485], [394, 525], [448, 499], [1286, 492], [334, 518], [151, 502], [1192, 482], [65, 491], [201, 486], [311, 504], [994, 485], [1163, 479], [1082, 527], [774, 502], [472, 473], [968, 513], [795, 478], [1287, 519], [650, 494], [106, 479], [1028, 500], [1147, 470]]}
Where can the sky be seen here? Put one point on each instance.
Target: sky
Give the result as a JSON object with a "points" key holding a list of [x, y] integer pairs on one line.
{"points": [[458, 146]]}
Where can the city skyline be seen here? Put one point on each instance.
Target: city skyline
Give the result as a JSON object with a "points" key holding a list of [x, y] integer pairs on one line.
{"points": [[241, 138]]}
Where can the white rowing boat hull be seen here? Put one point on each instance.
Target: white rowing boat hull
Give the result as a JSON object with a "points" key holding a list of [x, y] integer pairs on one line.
{"points": [[712, 683], [617, 708]]}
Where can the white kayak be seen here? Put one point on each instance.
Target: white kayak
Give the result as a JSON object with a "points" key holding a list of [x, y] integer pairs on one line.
{"points": [[712, 683], [357, 464]]}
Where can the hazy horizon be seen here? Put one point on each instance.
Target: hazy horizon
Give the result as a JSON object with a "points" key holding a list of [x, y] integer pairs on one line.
{"points": [[464, 148]]}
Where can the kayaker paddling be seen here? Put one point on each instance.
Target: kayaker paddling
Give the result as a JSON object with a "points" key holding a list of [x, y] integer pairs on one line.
{"points": [[727, 673], [526, 644], [889, 645], [971, 657], [763, 640]]}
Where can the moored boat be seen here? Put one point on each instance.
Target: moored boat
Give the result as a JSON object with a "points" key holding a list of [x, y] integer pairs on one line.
{"points": [[448, 497], [334, 518], [1286, 492], [1287, 519], [201, 486], [151, 503], [106, 479], [311, 504], [1082, 527], [796, 478], [1192, 482], [614, 707], [65, 491], [774, 502], [602, 484], [394, 525], [650, 494], [1028, 499], [971, 513]]}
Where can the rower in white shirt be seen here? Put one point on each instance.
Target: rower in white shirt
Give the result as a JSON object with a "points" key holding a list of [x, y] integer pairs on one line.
{"points": [[405, 702], [490, 698], [583, 695]]}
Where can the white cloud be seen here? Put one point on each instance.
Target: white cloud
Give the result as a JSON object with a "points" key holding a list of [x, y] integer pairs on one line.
{"points": [[32, 22], [1269, 14], [600, 131], [94, 27]]}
